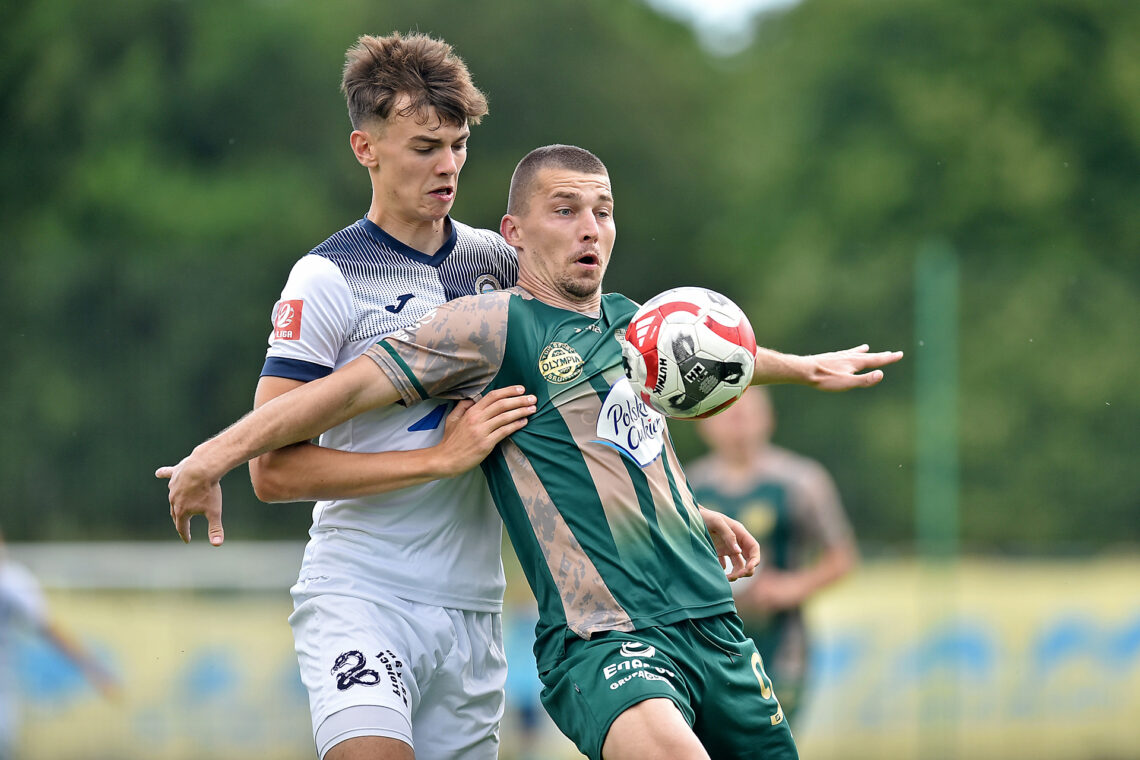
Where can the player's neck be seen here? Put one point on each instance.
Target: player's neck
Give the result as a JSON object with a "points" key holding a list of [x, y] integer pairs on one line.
{"points": [[425, 236], [553, 296], [742, 460]]}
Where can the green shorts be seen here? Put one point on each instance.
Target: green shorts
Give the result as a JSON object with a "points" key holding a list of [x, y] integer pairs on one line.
{"points": [[708, 667]]}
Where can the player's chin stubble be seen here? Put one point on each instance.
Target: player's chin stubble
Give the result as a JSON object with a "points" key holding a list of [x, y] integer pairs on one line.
{"points": [[578, 288]]}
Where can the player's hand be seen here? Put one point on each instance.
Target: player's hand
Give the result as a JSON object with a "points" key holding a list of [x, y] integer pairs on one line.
{"points": [[738, 550], [474, 428], [775, 591], [192, 492], [844, 370]]}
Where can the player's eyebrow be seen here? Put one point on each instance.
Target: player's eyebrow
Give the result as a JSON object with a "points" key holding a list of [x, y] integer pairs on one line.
{"points": [[433, 140], [574, 195]]}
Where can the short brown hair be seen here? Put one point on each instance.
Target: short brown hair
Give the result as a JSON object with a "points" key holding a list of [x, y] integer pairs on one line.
{"points": [[569, 157], [378, 70]]}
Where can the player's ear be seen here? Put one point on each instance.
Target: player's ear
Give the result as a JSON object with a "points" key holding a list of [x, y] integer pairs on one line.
{"points": [[510, 230], [362, 148]]}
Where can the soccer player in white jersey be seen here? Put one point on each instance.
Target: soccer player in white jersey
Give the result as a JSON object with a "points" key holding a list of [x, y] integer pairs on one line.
{"points": [[397, 606]]}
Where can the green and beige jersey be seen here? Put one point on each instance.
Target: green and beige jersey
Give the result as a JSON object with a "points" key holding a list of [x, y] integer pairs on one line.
{"points": [[590, 490]]}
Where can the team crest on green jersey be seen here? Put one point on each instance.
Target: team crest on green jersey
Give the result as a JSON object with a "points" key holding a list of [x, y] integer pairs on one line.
{"points": [[560, 363]]}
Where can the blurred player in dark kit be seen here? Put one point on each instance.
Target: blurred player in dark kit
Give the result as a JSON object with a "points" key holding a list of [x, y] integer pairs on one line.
{"points": [[791, 505]]}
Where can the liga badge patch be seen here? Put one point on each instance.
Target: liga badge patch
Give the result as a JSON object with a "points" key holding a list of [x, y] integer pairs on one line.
{"points": [[287, 320], [560, 363]]}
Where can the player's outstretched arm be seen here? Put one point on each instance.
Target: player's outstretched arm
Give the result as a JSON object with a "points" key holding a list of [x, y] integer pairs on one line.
{"points": [[738, 550], [195, 488], [306, 472], [100, 677], [834, 371]]}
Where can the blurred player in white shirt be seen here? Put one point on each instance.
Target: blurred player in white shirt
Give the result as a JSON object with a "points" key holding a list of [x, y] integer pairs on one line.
{"points": [[23, 610]]}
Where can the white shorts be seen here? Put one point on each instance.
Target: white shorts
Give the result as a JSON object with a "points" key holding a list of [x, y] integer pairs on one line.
{"points": [[430, 676]]}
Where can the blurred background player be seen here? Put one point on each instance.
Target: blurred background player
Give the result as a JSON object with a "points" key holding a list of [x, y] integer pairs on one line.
{"points": [[790, 504], [23, 610]]}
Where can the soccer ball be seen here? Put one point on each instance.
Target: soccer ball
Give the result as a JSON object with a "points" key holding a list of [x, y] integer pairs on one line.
{"points": [[689, 352]]}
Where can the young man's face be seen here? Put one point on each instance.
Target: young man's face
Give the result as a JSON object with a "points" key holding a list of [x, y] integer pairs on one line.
{"points": [[418, 162], [567, 231]]}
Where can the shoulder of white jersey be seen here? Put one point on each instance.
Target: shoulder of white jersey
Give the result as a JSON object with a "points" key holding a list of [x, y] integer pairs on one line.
{"points": [[316, 274], [348, 240], [310, 321], [497, 263], [477, 236]]}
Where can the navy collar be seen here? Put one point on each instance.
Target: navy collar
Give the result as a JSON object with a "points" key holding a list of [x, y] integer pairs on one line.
{"points": [[386, 240]]}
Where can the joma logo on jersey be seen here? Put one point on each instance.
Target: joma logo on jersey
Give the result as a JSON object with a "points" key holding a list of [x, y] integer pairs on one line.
{"points": [[401, 302], [560, 363]]}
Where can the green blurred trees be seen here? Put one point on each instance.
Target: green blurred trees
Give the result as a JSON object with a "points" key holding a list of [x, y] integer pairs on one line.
{"points": [[164, 163], [1009, 131]]}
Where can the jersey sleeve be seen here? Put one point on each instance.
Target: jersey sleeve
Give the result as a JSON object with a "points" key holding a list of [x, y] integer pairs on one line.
{"points": [[822, 511], [454, 352], [310, 322]]}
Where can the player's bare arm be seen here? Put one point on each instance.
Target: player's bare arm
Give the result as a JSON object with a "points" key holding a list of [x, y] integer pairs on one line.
{"points": [[296, 416], [778, 590], [307, 472], [856, 367], [99, 676], [733, 544]]}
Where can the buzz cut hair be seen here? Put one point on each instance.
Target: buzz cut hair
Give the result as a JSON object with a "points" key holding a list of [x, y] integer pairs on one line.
{"points": [[378, 70], [569, 157]]}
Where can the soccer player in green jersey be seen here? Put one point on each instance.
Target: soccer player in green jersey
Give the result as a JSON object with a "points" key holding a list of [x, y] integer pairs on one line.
{"points": [[638, 644]]}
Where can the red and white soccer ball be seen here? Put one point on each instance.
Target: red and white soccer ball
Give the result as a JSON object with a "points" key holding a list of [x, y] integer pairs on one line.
{"points": [[689, 352]]}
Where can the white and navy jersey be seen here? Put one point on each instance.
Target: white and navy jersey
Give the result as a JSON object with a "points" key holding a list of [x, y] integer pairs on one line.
{"points": [[436, 543]]}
